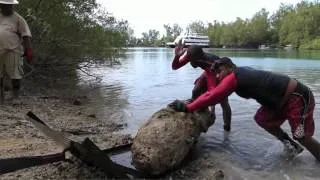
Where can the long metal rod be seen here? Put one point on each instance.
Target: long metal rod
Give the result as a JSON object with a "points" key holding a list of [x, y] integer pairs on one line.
{"points": [[87, 151], [14, 164]]}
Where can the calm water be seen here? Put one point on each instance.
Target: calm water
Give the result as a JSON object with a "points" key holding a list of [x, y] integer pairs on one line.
{"points": [[145, 82]]}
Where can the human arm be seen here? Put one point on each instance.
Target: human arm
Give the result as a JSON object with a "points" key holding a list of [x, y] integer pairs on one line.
{"points": [[226, 87], [25, 33], [26, 42], [226, 109], [200, 86], [180, 58], [227, 114], [27, 48]]}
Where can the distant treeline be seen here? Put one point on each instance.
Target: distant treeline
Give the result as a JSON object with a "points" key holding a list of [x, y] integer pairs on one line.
{"points": [[68, 32], [297, 25]]}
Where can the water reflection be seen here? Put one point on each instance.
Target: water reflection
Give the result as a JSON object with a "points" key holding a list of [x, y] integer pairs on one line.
{"points": [[144, 83]]}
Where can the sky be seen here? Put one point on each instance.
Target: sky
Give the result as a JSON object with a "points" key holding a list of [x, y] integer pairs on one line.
{"points": [[143, 15]]}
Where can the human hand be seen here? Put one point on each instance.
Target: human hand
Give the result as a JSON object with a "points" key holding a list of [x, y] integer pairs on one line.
{"points": [[179, 50], [28, 54], [178, 105]]}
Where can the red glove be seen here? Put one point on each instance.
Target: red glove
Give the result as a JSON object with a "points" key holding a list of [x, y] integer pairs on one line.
{"points": [[28, 54]]}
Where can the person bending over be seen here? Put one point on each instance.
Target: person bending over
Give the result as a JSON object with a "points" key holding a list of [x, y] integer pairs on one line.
{"points": [[207, 80], [281, 98]]}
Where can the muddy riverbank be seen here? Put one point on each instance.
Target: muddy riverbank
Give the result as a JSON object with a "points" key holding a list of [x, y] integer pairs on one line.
{"points": [[73, 112]]}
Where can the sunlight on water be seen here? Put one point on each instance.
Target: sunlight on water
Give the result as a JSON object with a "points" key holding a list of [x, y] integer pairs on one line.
{"points": [[145, 82]]}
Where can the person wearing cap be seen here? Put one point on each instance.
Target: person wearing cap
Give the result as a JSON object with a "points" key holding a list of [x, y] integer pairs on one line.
{"points": [[15, 42], [281, 98], [206, 79]]}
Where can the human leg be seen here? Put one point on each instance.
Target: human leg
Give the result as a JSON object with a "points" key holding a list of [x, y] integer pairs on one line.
{"points": [[14, 69], [299, 111], [227, 113], [16, 85], [226, 110], [312, 145], [271, 122], [284, 138]]}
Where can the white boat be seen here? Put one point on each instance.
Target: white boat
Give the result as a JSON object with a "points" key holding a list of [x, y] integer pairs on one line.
{"points": [[190, 39], [288, 47], [263, 47]]}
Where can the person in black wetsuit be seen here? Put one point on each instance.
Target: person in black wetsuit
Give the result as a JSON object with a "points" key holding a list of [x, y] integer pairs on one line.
{"points": [[281, 98]]}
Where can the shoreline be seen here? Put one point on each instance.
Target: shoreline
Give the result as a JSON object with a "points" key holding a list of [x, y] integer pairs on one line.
{"points": [[71, 111], [63, 113]]}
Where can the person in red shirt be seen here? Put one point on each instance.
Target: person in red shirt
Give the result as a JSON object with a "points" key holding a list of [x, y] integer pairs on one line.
{"points": [[207, 79], [281, 98]]}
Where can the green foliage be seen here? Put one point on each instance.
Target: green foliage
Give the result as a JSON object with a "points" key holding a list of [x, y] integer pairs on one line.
{"points": [[313, 44], [276, 20], [81, 28], [296, 25], [214, 33], [301, 25], [171, 32], [259, 28], [228, 36], [150, 38], [197, 27], [65, 31], [242, 34]]}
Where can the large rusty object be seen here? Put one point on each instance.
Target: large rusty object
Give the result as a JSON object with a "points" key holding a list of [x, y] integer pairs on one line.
{"points": [[165, 140]]}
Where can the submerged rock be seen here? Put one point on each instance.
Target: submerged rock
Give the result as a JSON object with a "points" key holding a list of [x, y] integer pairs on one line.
{"points": [[163, 142]]}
